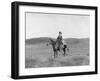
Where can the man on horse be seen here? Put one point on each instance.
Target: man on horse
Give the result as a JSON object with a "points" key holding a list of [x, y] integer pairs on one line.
{"points": [[58, 45], [59, 41]]}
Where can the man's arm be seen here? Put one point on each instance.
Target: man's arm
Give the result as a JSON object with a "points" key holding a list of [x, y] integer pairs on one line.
{"points": [[61, 38], [57, 37]]}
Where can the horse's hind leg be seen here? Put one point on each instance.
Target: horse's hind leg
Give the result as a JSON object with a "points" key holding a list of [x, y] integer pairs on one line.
{"points": [[54, 54], [67, 48], [64, 50]]}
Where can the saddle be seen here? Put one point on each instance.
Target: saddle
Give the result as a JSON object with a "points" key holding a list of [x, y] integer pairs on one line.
{"points": [[60, 44]]}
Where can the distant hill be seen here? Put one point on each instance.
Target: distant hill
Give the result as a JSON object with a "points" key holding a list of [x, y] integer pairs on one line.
{"points": [[77, 40], [37, 40], [68, 40]]}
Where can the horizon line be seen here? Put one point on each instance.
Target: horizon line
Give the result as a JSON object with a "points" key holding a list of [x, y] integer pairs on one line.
{"points": [[56, 38]]}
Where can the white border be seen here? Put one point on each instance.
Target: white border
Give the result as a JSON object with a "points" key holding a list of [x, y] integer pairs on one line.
{"points": [[37, 71]]}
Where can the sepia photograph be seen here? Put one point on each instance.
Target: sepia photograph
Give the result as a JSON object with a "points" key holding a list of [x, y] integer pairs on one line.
{"points": [[56, 40]]}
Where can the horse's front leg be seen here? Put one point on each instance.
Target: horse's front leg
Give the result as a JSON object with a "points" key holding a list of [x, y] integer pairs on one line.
{"points": [[55, 54]]}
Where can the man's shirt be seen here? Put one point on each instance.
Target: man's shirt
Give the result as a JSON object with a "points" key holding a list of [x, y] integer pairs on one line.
{"points": [[59, 39]]}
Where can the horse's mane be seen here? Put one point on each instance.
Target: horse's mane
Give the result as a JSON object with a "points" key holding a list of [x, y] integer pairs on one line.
{"points": [[54, 42]]}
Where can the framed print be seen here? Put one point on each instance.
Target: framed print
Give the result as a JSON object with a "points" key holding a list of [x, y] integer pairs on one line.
{"points": [[50, 40]]}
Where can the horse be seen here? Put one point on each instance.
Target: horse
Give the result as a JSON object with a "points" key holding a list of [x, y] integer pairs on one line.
{"points": [[55, 49]]}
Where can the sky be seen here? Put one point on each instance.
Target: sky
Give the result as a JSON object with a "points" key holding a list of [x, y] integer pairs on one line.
{"points": [[48, 25]]}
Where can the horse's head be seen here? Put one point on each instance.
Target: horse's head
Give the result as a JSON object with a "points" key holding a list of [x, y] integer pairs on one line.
{"points": [[51, 41]]}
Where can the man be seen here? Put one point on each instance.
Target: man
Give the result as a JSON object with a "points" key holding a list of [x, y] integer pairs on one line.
{"points": [[59, 41]]}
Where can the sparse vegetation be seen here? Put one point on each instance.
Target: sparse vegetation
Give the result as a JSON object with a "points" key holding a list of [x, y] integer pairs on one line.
{"points": [[40, 55]]}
